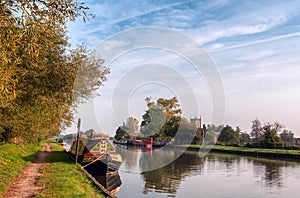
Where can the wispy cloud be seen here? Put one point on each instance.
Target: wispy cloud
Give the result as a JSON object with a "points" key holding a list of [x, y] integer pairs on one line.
{"points": [[253, 43]]}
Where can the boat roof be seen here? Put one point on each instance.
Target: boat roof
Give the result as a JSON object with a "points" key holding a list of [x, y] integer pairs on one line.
{"points": [[91, 143]]}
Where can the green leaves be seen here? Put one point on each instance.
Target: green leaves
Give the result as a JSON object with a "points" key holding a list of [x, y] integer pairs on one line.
{"points": [[40, 77], [162, 118], [229, 136]]}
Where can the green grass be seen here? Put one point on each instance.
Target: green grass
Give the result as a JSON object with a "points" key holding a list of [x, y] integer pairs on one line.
{"points": [[13, 160], [246, 149], [62, 178]]}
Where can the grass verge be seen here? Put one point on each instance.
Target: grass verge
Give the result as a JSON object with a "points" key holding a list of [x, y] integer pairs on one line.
{"points": [[13, 160], [62, 178], [254, 150]]}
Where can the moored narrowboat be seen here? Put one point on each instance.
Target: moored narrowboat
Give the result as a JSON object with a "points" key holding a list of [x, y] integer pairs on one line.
{"points": [[147, 142], [97, 156]]}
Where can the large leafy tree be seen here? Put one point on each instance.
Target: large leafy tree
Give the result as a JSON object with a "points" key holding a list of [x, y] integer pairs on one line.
{"points": [[153, 121], [162, 118], [38, 70], [229, 136], [270, 134], [121, 133], [186, 132], [245, 138], [132, 125]]}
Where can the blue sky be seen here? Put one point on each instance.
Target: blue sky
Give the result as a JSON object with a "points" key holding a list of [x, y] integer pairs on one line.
{"points": [[254, 45]]}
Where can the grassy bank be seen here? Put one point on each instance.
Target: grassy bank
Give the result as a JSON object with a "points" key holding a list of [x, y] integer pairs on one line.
{"points": [[13, 160], [247, 149], [280, 154], [63, 178]]}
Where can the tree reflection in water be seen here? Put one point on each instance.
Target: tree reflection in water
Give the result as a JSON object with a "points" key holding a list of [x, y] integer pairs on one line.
{"points": [[168, 178], [189, 171], [273, 171], [268, 171]]}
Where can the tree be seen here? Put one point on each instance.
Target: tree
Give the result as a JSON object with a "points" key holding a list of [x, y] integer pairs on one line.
{"points": [[215, 128], [270, 135], [171, 107], [153, 121], [121, 133], [186, 132], [238, 130], [132, 125], [287, 136], [38, 69], [162, 117], [256, 130], [210, 138], [229, 136], [171, 126], [278, 127], [245, 138]]}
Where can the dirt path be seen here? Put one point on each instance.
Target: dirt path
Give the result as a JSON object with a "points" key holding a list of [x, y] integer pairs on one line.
{"points": [[26, 184]]}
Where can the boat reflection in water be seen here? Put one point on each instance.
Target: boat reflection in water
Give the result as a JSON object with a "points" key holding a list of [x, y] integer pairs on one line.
{"points": [[111, 181]]}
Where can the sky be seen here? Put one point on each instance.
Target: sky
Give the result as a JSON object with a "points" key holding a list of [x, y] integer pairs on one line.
{"points": [[250, 47]]}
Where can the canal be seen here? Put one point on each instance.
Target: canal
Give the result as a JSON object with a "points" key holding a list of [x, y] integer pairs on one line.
{"points": [[214, 175]]}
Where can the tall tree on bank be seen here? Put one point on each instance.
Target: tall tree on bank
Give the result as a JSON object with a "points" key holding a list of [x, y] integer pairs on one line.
{"points": [[153, 120], [229, 136], [162, 118], [270, 134], [256, 130], [38, 72], [131, 126], [245, 138]]}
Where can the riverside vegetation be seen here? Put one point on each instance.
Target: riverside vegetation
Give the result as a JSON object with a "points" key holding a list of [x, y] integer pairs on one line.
{"points": [[60, 176], [42, 77]]}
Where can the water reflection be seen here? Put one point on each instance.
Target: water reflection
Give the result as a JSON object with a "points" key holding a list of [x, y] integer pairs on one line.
{"points": [[167, 179], [269, 173], [129, 155], [273, 172], [255, 177], [148, 158]]}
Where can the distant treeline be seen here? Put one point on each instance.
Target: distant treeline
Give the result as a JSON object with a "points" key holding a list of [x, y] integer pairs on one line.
{"points": [[266, 135], [163, 121]]}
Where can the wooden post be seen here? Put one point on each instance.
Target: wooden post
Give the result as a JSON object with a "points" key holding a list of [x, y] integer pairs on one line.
{"points": [[77, 139]]}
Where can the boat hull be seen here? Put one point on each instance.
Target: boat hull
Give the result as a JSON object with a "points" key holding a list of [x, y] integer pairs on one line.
{"points": [[100, 167]]}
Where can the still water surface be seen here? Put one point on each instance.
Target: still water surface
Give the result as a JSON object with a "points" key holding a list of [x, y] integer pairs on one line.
{"points": [[215, 175]]}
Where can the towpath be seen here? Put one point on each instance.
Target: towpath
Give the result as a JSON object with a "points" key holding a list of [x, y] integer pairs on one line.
{"points": [[26, 184]]}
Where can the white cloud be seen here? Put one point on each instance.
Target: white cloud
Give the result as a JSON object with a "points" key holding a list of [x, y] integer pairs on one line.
{"points": [[253, 43]]}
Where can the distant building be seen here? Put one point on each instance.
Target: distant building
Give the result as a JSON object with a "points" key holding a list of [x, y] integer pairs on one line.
{"points": [[196, 122], [201, 131]]}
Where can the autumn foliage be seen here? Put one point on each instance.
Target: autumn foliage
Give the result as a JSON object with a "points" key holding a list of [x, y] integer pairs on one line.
{"points": [[39, 68]]}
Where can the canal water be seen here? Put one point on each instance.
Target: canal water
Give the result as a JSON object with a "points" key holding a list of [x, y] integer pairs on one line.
{"points": [[214, 175]]}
